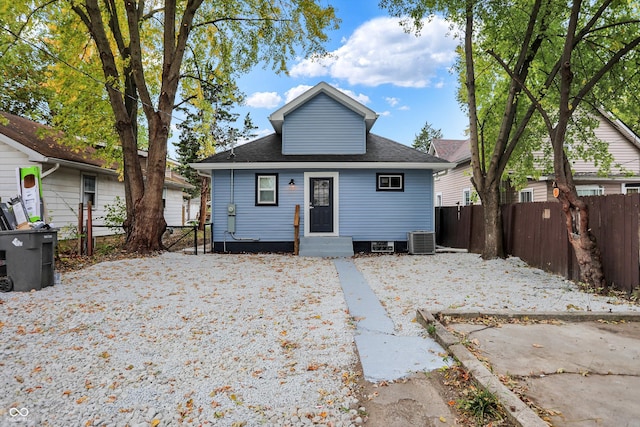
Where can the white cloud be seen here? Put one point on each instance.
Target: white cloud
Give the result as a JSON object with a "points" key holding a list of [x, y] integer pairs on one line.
{"points": [[264, 100], [392, 101], [404, 108], [385, 114], [295, 92], [380, 52]]}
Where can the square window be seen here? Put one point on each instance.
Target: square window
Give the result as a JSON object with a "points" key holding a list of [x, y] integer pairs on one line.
{"points": [[526, 195], [390, 182], [266, 189]]}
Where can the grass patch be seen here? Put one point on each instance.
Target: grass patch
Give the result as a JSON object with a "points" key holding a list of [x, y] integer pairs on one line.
{"points": [[480, 404]]}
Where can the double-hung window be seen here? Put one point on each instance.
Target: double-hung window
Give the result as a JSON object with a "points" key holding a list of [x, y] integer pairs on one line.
{"points": [[466, 197], [89, 189], [267, 189]]}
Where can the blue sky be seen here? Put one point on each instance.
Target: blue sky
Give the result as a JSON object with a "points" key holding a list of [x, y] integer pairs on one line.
{"points": [[406, 79]]}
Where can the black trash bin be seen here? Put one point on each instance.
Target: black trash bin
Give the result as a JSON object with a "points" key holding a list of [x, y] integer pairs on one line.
{"points": [[27, 259]]}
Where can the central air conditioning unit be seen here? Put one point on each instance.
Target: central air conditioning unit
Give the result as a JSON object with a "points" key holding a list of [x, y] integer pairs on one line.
{"points": [[421, 242], [383, 247]]}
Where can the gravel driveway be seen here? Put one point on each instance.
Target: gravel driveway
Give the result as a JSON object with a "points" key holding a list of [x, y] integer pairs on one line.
{"points": [[229, 339]]}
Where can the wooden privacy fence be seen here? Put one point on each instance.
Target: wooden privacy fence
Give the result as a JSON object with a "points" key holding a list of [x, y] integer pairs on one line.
{"points": [[536, 233]]}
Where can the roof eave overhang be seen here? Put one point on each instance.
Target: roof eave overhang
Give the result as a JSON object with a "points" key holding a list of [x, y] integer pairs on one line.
{"points": [[79, 166], [32, 155], [579, 178], [322, 165]]}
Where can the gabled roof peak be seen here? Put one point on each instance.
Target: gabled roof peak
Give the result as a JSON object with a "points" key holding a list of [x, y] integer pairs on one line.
{"points": [[277, 117]]}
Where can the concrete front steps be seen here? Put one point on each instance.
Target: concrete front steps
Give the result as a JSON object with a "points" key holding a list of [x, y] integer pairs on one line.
{"points": [[326, 247]]}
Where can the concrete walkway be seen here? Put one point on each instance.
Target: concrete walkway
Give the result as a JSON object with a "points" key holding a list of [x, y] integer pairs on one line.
{"points": [[384, 356]]}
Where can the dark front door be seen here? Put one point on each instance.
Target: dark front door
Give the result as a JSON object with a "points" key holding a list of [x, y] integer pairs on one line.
{"points": [[321, 205]]}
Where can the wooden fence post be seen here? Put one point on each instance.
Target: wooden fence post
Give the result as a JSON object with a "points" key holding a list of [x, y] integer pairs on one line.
{"points": [[80, 226], [89, 230], [296, 230]]}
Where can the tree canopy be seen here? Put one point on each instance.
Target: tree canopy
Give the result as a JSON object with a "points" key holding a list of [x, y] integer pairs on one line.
{"points": [[526, 68], [119, 69], [423, 139]]}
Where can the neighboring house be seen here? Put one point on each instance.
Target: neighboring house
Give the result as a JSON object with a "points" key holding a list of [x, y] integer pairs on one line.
{"points": [[69, 176], [348, 182], [453, 187]]}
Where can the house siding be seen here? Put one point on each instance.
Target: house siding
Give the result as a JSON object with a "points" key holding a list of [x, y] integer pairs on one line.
{"points": [[626, 155], [451, 184], [323, 126], [268, 223], [173, 207], [10, 159], [365, 214]]}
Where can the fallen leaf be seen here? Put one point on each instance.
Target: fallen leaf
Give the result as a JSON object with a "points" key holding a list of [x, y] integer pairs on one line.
{"points": [[443, 420], [538, 345], [82, 400], [155, 422]]}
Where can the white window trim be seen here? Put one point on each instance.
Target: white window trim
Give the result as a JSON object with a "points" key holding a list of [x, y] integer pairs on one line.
{"points": [[526, 190], [438, 198], [599, 189], [466, 191], [635, 185], [260, 202], [336, 198], [95, 190]]}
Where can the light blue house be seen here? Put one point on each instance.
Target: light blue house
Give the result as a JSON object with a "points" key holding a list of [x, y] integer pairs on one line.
{"points": [[354, 188]]}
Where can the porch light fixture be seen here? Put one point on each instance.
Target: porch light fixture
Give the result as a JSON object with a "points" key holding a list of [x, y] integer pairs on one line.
{"points": [[292, 182]]}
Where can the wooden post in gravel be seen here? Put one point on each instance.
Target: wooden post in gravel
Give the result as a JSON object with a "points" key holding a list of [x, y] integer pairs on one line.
{"points": [[296, 230], [80, 225], [89, 229]]}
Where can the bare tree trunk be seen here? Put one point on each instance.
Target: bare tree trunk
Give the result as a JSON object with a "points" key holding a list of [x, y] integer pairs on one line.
{"points": [[575, 210], [493, 233], [148, 222], [583, 242]]}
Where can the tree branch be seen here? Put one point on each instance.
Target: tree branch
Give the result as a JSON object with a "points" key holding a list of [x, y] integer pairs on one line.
{"points": [[240, 19]]}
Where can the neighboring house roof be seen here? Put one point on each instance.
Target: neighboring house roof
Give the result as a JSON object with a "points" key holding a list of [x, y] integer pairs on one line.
{"points": [[277, 117], [452, 150], [266, 152], [42, 144]]}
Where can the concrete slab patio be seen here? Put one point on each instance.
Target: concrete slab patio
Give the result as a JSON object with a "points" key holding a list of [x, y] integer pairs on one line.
{"points": [[579, 373]]}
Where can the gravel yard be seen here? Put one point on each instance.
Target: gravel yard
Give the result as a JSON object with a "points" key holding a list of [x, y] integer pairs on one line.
{"points": [[217, 339], [230, 339]]}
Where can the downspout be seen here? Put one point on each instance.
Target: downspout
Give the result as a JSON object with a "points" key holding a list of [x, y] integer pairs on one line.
{"points": [[233, 236], [50, 171]]}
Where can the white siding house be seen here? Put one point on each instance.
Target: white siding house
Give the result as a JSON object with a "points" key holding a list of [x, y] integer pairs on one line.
{"points": [[451, 186], [68, 177]]}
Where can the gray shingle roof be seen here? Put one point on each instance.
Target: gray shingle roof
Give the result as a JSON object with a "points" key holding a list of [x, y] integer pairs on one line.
{"points": [[269, 150], [453, 150]]}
